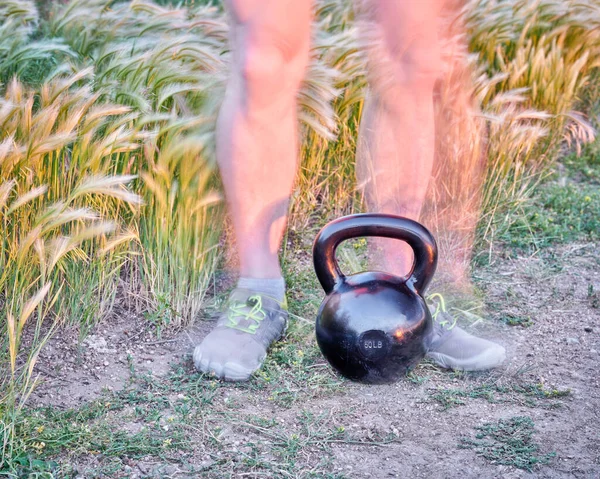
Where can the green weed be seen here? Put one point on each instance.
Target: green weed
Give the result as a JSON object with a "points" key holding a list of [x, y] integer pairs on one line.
{"points": [[508, 442], [558, 214], [516, 320], [531, 395]]}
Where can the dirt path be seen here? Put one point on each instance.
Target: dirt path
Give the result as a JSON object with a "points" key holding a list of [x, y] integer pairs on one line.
{"points": [[297, 419]]}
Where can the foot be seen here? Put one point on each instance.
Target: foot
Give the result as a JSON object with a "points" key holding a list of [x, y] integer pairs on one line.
{"points": [[238, 345], [453, 348]]}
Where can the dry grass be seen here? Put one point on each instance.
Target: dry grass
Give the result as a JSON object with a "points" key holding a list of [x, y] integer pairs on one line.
{"points": [[61, 250]]}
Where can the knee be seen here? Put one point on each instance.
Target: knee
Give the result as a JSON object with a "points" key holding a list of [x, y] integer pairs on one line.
{"points": [[407, 53], [270, 73], [263, 65], [406, 76], [418, 66]]}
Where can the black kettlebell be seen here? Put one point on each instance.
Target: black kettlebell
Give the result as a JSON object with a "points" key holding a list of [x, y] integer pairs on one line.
{"points": [[373, 326]]}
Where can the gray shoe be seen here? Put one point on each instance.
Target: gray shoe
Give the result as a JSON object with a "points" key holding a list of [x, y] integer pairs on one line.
{"points": [[453, 348], [238, 344]]}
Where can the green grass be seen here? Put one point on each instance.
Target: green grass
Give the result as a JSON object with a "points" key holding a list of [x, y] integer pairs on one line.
{"points": [[559, 214], [509, 442], [564, 207], [516, 320], [165, 419], [528, 394]]}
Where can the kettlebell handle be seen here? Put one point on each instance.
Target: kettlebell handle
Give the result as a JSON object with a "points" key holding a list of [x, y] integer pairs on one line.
{"points": [[372, 224]]}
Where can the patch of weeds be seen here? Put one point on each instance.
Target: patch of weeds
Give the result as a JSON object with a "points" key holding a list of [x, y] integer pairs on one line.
{"points": [[295, 368], [532, 395], [160, 409], [539, 391], [563, 209], [308, 437], [191, 387], [160, 315], [558, 214], [25, 465], [585, 167], [90, 430], [448, 398], [593, 296], [416, 378], [507, 442], [516, 320]]}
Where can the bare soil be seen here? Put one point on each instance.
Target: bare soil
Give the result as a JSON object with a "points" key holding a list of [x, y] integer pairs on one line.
{"points": [[334, 428]]}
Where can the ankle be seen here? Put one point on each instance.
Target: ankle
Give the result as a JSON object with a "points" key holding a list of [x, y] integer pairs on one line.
{"points": [[272, 287], [260, 267]]}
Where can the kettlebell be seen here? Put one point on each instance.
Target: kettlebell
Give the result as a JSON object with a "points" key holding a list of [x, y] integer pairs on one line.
{"points": [[373, 326]]}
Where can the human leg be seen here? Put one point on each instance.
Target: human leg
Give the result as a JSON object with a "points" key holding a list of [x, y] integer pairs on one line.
{"points": [[257, 126], [396, 144], [257, 156], [396, 149]]}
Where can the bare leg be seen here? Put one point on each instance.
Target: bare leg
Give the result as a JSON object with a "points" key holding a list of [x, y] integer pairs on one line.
{"points": [[257, 156], [396, 151], [396, 147], [454, 196], [257, 127]]}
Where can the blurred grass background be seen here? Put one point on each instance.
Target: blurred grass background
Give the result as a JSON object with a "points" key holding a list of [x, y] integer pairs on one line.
{"points": [[107, 175]]}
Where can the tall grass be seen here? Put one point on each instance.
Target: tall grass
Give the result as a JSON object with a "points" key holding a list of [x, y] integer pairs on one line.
{"points": [[62, 246], [510, 97], [535, 60], [170, 65], [59, 140], [103, 178]]}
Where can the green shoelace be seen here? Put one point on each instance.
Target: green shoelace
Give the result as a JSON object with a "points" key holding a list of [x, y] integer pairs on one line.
{"points": [[440, 307], [239, 311]]}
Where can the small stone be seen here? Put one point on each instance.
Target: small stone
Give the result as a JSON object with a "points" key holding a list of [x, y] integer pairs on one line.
{"points": [[98, 343], [593, 351], [588, 329], [572, 341], [106, 363]]}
